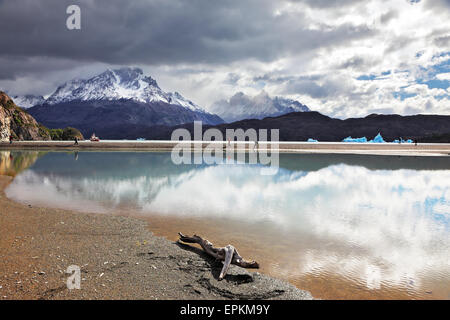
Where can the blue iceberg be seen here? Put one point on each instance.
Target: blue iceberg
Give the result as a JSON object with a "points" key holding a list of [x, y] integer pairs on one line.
{"points": [[378, 139], [360, 140], [402, 141], [312, 140]]}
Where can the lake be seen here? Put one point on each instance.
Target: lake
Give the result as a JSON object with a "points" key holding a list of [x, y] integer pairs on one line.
{"points": [[339, 226]]}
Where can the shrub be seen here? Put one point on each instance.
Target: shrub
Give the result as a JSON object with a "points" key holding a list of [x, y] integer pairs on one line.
{"points": [[70, 133]]}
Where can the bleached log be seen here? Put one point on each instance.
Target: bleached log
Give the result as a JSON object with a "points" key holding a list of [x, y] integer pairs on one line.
{"points": [[229, 254]]}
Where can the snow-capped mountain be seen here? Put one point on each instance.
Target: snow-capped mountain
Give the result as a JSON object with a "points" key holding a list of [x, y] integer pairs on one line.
{"points": [[241, 106], [118, 104], [28, 101], [124, 83]]}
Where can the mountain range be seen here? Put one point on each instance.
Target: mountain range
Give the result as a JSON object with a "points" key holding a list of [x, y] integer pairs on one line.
{"points": [[300, 126], [126, 104], [119, 101], [114, 102], [28, 101]]}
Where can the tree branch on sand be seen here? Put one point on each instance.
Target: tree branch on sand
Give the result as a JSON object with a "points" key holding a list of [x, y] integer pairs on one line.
{"points": [[229, 254]]}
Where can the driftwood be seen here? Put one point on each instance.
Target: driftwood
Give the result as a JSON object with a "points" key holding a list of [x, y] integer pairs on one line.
{"points": [[229, 254]]}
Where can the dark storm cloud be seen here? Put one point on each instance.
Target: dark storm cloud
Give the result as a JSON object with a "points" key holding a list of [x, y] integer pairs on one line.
{"points": [[17, 66], [157, 32]]}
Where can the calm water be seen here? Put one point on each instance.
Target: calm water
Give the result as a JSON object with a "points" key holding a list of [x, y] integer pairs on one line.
{"points": [[340, 226]]}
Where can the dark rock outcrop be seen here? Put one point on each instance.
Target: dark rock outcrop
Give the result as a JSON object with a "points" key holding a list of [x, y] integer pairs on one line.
{"points": [[17, 123]]}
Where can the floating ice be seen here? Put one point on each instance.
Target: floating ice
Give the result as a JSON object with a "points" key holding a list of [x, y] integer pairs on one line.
{"points": [[350, 139], [312, 140], [402, 141], [378, 139]]}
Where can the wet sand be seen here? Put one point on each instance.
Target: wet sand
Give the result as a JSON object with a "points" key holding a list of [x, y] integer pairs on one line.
{"points": [[118, 256], [291, 147]]}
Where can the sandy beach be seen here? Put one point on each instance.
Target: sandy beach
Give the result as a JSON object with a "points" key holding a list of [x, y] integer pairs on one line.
{"points": [[119, 259], [429, 149]]}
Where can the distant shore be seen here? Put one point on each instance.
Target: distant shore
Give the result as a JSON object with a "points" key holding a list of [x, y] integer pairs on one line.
{"points": [[118, 257], [404, 149]]}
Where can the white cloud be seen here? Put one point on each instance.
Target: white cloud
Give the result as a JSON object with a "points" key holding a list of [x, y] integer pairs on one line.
{"points": [[443, 76]]}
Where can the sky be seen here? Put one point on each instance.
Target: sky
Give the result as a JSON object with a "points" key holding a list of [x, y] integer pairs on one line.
{"points": [[343, 58]]}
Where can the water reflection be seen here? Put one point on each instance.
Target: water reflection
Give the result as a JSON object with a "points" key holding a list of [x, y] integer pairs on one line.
{"points": [[369, 220], [13, 162]]}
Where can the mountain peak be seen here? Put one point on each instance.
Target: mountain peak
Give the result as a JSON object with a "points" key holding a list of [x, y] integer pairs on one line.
{"points": [[241, 106], [28, 100], [114, 84]]}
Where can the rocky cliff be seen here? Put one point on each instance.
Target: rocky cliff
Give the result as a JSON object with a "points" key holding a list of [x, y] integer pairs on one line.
{"points": [[18, 123]]}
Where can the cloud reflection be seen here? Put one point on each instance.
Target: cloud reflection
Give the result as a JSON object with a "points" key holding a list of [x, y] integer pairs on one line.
{"points": [[393, 223]]}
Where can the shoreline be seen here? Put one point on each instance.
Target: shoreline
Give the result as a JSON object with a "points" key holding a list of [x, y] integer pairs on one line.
{"points": [[118, 256], [428, 149]]}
